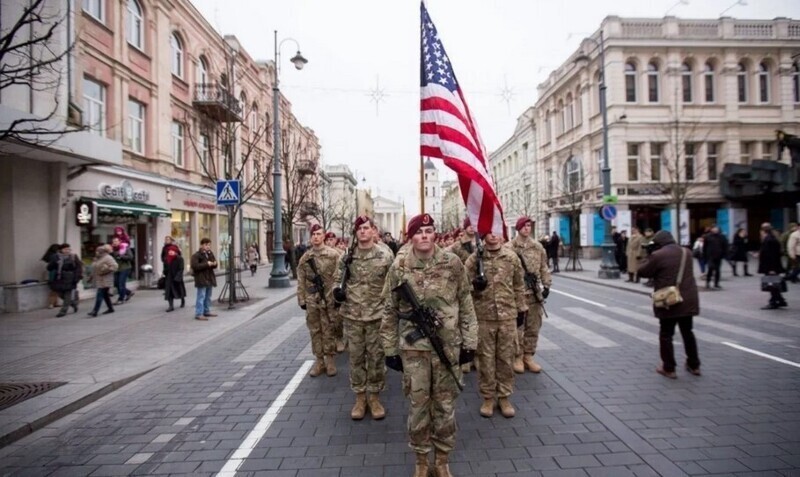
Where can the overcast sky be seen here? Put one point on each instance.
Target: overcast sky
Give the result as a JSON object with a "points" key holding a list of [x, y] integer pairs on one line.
{"points": [[359, 50]]}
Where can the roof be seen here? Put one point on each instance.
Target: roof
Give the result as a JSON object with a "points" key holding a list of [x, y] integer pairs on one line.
{"points": [[429, 164]]}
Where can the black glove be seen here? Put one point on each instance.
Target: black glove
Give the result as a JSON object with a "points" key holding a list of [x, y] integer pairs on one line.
{"points": [[302, 307], [480, 284], [521, 317], [466, 356], [394, 362], [339, 295], [545, 292], [337, 305]]}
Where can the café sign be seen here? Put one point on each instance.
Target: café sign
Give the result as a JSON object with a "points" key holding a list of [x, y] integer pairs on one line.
{"points": [[123, 192]]}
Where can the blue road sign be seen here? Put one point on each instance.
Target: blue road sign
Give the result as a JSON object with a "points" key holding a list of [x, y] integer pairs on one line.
{"points": [[228, 192], [608, 212]]}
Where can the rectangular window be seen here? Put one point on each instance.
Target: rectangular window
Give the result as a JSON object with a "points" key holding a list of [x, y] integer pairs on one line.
{"points": [[95, 9], [94, 106], [741, 86], [686, 83], [746, 149], [652, 88], [136, 125], [203, 154], [690, 150], [633, 162], [709, 80], [177, 143], [655, 161], [712, 158], [766, 150], [630, 88]]}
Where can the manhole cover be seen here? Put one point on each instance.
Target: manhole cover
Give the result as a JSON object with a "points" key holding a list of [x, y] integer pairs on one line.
{"points": [[15, 393]]}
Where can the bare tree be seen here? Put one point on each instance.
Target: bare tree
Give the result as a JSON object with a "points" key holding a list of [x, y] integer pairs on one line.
{"points": [[343, 214], [35, 49], [572, 189], [324, 213]]}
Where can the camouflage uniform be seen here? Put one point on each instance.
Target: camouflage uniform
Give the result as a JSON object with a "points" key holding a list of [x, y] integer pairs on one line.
{"points": [[536, 261], [496, 308], [441, 283], [319, 318], [463, 248], [362, 312]]}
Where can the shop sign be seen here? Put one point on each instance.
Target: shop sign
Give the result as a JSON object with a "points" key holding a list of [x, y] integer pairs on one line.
{"points": [[124, 192], [199, 205], [85, 215]]}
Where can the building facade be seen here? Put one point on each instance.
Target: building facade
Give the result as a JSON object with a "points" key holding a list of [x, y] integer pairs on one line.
{"points": [[388, 215], [453, 210], [433, 191], [343, 195]]}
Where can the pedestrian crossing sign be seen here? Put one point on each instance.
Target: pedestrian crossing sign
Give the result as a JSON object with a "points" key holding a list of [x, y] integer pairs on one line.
{"points": [[228, 192]]}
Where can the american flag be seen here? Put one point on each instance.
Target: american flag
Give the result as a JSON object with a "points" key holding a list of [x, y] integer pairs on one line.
{"points": [[449, 132]]}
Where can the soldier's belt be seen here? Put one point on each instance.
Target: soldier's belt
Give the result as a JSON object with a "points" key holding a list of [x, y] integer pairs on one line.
{"points": [[413, 353]]}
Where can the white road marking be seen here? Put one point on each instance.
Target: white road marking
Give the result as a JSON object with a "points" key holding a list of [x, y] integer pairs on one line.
{"points": [[610, 322], [589, 337], [578, 298], [232, 465], [763, 355], [653, 321], [267, 345]]}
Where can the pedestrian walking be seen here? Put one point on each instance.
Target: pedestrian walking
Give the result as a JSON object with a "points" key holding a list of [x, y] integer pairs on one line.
{"points": [[738, 252], [769, 263], [124, 258], [555, 244], [253, 258], [499, 307], [67, 272], [103, 268], [362, 307], [620, 243], [534, 260], [168, 240], [793, 250], [669, 265], [203, 264], [315, 281], [697, 253], [438, 280], [635, 254], [174, 288], [52, 251], [715, 248]]}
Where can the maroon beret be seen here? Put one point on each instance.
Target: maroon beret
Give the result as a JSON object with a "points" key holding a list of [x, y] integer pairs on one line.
{"points": [[416, 222], [361, 220], [315, 227], [330, 235], [521, 222], [466, 223]]}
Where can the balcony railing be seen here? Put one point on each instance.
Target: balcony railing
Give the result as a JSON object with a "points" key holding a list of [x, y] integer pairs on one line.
{"points": [[308, 208], [217, 102], [305, 166]]}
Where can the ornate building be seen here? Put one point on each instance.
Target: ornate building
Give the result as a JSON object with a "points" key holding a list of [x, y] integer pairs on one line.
{"points": [[433, 191]]}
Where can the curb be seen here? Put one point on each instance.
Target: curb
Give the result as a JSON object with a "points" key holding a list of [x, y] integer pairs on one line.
{"points": [[604, 284], [31, 427]]}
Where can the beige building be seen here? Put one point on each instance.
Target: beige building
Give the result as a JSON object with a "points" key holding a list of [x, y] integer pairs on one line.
{"points": [[453, 210], [388, 215], [433, 191], [342, 207]]}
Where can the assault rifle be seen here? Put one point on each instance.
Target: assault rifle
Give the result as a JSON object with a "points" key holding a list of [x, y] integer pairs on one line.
{"points": [[426, 322], [480, 283], [319, 284], [340, 291], [532, 284]]}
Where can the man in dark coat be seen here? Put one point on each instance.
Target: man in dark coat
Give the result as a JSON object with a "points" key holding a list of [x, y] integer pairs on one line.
{"points": [[203, 264], [769, 263], [621, 244], [67, 271], [715, 247], [662, 266], [555, 242]]}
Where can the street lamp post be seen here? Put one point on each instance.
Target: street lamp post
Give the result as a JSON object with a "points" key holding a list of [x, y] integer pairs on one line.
{"points": [[608, 265], [279, 277]]}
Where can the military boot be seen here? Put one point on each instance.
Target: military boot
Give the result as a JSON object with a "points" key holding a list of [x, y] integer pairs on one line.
{"points": [[487, 408], [375, 407], [421, 467], [519, 368], [531, 365], [317, 368], [465, 368], [359, 408], [330, 365], [506, 409], [440, 467], [339, 346]]}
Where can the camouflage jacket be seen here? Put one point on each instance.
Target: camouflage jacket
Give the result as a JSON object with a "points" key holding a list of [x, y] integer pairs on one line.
{"points": [[440, 283], [463, 248], [365, 286], [505, 294], [535, 260], [327, 259]]}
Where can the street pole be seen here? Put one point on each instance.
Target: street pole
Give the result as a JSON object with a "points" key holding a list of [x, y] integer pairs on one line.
{"points": [[279, 277], [608, 266]]}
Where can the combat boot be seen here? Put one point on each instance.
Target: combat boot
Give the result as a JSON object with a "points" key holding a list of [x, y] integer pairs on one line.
{"points": [[421, 467], [330, 365], [375, 407], [465, 368], [506, 409], [531, 365], [317, 368], [440, 467], [519, 368], [339, 346], [487, 408], [359, 408]]}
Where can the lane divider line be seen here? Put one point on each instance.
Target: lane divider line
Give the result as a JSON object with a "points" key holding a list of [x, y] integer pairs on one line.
{"points": [[578, 298], [763, 355], [232, 465]]}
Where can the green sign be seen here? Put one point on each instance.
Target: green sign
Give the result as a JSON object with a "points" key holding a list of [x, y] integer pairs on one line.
{"points": [[610, 199]]}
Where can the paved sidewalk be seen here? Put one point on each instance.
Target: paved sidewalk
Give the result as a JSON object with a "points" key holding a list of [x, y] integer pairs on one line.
{"points": [[96, 356]]}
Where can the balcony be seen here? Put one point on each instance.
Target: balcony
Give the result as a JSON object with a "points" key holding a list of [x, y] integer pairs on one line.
{"points": [[217, 103], [308, 209], [306, 167]]}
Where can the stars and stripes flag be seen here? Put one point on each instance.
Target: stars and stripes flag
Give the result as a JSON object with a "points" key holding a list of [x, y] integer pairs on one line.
{"points": [[449, 132]]}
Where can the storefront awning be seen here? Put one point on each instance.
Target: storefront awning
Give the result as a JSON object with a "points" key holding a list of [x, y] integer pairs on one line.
{"points": [[113, 207]]}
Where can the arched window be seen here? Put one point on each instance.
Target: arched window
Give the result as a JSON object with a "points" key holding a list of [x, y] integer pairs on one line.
{"points": [[176, 50], [573, 175], [243, 101], [135, 24], [630, 82], [202, 71], [254, 117], [796, 82], [708, 82], [562, 118], [741, 82], [763, 83], [686, 82], [652, 82]]}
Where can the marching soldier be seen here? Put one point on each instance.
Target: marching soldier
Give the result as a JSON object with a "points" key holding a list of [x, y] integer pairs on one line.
{"points": [[499, 307], [436, 281], [362, 308], [315, 282], [534, 259]]}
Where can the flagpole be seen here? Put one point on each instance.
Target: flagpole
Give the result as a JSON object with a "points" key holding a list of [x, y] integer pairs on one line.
{"points": [[421, 184]]}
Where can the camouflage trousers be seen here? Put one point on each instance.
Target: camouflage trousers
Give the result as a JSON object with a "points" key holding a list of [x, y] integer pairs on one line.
{"points": [[338, 324], [321, 326], [367, 371], [497, 343], [529, 334], [432, 392]]}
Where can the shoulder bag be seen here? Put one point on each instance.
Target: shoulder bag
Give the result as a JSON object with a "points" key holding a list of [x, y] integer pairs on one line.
{"points": [[671, 295]]}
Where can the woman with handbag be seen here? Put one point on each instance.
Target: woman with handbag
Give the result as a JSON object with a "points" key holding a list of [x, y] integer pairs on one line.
{"points": [[173, 277], [675, 300], [769, 264]]}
